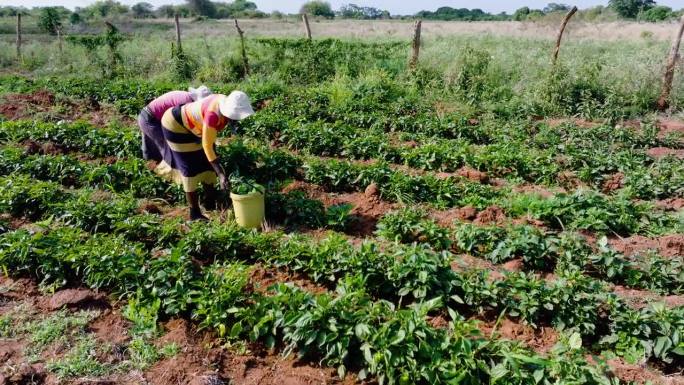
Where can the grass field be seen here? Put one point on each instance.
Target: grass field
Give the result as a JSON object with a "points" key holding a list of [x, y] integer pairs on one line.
{"points": [[483, 218]]}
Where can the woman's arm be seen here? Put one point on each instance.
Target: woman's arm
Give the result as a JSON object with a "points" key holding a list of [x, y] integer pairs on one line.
{"points": [[208, 140]]}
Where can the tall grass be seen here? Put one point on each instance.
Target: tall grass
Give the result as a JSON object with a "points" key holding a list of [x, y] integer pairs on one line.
{"points": [[596, 79]]}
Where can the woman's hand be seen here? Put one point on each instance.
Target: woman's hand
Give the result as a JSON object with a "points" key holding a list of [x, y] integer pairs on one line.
{"points": [[221, 174]]}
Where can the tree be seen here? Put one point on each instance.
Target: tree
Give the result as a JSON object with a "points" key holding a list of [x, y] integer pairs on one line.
{"points": [[142, 10], [556, 7], [630, 9], [104, 8], [202, 8], [658, 13], [166, 11], [50, 20], [238, 8], [318, 8], [75, 18], [353, 11], [521, 14]]}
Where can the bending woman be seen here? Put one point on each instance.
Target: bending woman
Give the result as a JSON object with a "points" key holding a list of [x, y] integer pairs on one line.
{"points": [[189, 156], [150, 118]]}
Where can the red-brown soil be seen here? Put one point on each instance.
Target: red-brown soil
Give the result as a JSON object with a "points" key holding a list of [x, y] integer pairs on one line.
{"points": [[667, 246], [47, 106], [473, 175], [641, 298], [542, 191], [673, 204], [613, 182], [367, 207], [661, 152], [263, 277], [447, 218], [490, 215], [199, 360], [640, 374], [541, 340], [670, 126]]}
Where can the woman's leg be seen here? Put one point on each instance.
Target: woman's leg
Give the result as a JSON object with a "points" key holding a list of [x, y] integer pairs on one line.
{"points": [[210, 196], [195, 210]]}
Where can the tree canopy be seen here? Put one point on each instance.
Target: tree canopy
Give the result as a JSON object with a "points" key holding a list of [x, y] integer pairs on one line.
{"points": [[318, 8], [630, 9]]}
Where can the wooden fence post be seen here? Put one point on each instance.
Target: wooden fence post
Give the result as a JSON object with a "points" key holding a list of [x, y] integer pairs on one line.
{"points": [[415, 45], [663, 100], [59, 39], [241, 33], [560, 33], [178, 33], [19, 36], [305, 20]]}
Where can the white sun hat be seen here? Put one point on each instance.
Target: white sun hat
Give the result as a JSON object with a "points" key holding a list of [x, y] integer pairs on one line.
{"points": [[200, 92], [236, 106]]}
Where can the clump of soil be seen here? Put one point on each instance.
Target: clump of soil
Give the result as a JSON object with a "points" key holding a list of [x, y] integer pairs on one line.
{"points": [[191, 362], [613, 182], [149, 208], [668, 246], [540, 340], [279, 371], [640, 374], [637, 298], [490, 215], [372, 190], [20, 106], [670, 126], [110, 327], [569, 180], [535, 189], [661, 152], [473, 174], [438, 321], [673, 204], [261, 278], [513, 265], [76, 299], [448, 217]]}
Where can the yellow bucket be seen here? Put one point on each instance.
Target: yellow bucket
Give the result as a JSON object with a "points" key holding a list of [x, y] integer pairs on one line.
{"points": [[248, 209]]}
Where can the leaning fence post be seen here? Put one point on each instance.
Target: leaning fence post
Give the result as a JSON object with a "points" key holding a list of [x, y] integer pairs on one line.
{"points": [[241, 33], [178, 32], [560, 33], [19, 36], [663, 100], [415, 45], [307, 29]]}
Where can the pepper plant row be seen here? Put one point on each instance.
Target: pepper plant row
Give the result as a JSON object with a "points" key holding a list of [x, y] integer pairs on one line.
{"points": [[580, 210], [347, 329], [402, 275]]}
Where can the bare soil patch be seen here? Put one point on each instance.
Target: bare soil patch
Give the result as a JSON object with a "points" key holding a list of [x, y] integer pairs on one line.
{"points": [[541, 340], [613, 182], [45, 105], [661, 152], [490, 215], [672, 204], [668, 246], [670, 126]]}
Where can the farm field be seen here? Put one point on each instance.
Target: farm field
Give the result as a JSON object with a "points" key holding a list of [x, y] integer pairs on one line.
{"points": [[485, 217]]}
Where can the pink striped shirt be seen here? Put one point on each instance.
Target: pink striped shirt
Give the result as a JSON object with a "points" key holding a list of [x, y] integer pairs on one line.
{"points": [[169, 100]]}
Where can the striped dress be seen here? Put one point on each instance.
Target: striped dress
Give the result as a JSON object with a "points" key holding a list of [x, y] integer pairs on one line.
{"points": [[190, 133]]}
